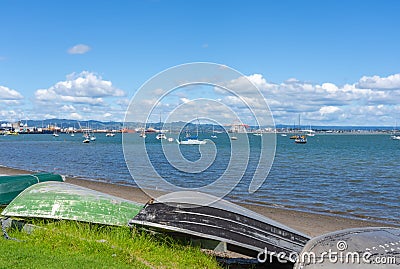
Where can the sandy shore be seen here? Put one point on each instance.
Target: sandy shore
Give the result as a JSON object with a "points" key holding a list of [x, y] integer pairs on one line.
{"points": [[308, 223]]}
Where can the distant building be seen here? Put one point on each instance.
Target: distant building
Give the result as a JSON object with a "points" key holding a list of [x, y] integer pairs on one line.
{"points": [[239, 128]]}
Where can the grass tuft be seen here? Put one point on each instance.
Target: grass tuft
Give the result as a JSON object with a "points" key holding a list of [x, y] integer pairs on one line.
{"points": [[68, 244]]}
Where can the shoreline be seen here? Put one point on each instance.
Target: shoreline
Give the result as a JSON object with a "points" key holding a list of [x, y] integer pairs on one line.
{"points": [[310, 223]]}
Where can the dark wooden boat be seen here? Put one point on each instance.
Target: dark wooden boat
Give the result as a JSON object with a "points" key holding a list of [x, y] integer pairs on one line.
{"points": [[237, 228], [361, 248]]}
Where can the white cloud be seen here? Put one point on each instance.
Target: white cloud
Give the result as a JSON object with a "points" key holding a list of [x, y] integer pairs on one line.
{"points": [[376, 82], [79, 49], [328, 110], [10, 114], [257, 80], [84, 95], [8, 94], [372, 100], [184, 100], [317, 103], [326, 103], [85, 87], [68, 108], [75, 116]]}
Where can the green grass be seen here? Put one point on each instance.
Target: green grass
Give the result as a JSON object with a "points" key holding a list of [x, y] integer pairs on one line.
{"points": [[68, 244]]}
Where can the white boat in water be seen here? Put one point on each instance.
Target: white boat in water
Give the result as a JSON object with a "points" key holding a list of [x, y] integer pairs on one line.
{"points": [[213, 133], [161, 136], [191, 140]]}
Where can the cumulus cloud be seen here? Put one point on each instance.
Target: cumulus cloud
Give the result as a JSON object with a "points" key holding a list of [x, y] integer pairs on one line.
{"points": [[10, 114], [374, 99], [85, 87], [79, 49], [371, 100], [84, 95], [391, 82], [75, 116], [328, 110], [7, 94]]}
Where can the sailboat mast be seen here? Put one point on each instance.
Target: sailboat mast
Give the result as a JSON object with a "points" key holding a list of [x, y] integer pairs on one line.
{"points": [[299, 122]]}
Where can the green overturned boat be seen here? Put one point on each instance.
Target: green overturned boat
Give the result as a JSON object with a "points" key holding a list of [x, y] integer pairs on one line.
{"points": [[11, 186], [60, 200]]}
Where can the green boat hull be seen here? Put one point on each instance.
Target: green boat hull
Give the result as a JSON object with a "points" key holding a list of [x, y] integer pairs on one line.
{"points": [[11, 186], [59, 200]]}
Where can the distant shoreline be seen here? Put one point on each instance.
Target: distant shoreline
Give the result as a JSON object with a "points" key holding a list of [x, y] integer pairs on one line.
{"points": [[48, 126], [312, 224]]}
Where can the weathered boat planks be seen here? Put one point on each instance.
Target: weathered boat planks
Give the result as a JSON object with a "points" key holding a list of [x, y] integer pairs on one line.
{"points": [[243, 231]]}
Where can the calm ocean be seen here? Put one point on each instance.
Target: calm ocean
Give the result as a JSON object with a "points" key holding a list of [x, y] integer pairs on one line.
{"points": [[349, 175]]}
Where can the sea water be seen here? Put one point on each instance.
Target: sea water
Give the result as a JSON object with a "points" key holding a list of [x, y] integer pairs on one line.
{"points": [[346, 174]]}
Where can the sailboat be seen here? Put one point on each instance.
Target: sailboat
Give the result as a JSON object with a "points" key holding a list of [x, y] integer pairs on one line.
{"points": [[191, 140], [213, 133], [87, 137], [170, 139], [111, 133], [300, 139], [86, 134], [92, 137], [55, 134], [86, 140], [73, 131], [310, 132], [143, 133], [161, 135], [395, 135]]}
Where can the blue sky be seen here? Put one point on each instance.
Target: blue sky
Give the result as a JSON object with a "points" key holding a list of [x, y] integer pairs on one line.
{"points": [[334, 62]]}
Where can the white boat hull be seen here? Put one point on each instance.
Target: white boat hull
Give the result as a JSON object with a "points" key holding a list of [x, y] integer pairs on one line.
{"points": [[191, 142]]}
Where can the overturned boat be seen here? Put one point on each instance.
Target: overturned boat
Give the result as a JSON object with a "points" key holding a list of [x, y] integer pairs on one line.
{"points": [[230, 226], [357, 248], [11, 186], [59, 200]]}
